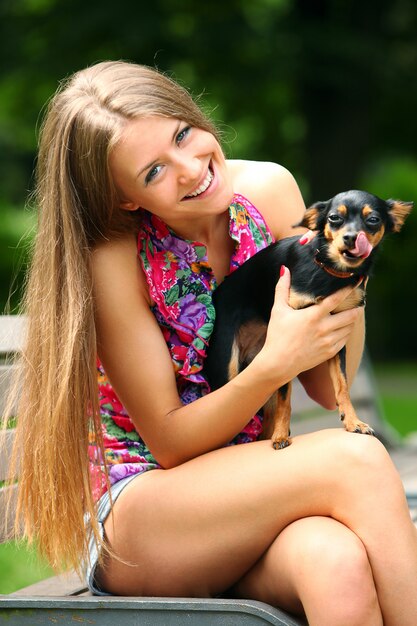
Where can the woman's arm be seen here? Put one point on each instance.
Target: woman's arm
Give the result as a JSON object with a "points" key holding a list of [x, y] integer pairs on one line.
{"points": [[138, 363]]}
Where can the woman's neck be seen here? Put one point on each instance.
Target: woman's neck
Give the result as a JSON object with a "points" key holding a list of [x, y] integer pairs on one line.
{"points": [[213, 230]]}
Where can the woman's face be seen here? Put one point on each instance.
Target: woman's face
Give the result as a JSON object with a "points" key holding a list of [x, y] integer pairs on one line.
{"points": [[175, 171]]}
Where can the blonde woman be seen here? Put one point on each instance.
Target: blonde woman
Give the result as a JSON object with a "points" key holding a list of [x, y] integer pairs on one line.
{"points": [[140, 217]]}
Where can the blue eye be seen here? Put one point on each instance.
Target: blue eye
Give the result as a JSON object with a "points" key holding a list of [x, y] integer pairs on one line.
{"points": [[182, 134], [152, 173]]}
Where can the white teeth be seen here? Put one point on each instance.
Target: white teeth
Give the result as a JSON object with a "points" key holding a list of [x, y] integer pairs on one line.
{"points": [[204, 185]]}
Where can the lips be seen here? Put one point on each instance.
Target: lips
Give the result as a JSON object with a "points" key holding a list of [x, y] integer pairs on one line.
{"points": [[202, 186]]}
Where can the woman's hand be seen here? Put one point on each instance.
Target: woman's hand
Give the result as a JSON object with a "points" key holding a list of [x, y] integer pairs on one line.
{"points": [[299, 340]]}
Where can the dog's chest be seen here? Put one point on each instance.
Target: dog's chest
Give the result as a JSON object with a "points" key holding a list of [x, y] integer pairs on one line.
{"points": [[298, 300]]}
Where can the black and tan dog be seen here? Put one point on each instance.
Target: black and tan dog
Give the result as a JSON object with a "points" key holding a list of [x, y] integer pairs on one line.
{"points": [[349, 228]]}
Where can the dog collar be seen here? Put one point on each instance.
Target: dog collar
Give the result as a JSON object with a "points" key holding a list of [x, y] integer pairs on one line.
{"points": [[331, 270]]}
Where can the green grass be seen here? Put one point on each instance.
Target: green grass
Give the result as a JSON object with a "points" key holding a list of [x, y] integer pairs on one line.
{"points": [[401, 412], [20, 566], [397, 385]]}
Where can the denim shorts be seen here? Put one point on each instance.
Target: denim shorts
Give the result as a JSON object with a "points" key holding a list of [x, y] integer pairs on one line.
{"points": [[103, 510]]}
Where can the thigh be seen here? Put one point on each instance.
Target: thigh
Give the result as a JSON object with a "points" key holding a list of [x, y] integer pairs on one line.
{"points": [[195, 529]]}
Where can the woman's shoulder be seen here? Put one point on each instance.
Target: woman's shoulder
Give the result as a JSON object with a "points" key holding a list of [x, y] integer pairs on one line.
{"points": [[248, 172], [273, 190], [117, 249]]}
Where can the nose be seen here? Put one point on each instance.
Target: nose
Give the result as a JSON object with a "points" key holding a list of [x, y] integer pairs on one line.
{"points": [[189, 169], [349, 239]]}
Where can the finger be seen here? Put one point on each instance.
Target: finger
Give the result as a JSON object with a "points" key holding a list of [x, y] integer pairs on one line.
{"points": [[331, 302], [338, 345], [339, 334], [336, 340], [307, 237], [344, 319], [282, 289]]}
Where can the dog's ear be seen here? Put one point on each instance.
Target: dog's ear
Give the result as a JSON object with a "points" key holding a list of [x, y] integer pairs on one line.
{"points": [[398, 211], [311, 216]]}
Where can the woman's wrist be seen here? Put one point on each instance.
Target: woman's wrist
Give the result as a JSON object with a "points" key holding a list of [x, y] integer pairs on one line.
{"points": [[266, 375]]}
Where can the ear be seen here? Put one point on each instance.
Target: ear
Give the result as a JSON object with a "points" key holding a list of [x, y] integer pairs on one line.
{"points": [[398, 211], [128, 206], [311, 216]]}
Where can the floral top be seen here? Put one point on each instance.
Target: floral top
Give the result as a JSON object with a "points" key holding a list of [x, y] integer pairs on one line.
{"points": [[181, 283]]}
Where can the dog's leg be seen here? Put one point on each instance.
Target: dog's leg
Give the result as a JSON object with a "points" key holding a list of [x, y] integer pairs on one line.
{"points": [[277, 410], [277, 416], [347, 413]]}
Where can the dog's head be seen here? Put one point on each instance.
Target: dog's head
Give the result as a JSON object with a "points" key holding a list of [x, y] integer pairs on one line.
{"points": [[352, 224]]}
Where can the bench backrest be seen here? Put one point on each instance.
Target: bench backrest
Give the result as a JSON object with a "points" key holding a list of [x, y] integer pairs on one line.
{"points": [[11, 338]]}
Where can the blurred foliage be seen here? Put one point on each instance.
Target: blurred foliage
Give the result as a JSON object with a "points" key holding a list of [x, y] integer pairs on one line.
{"points": [[391, 327], [326, 88], [16, 234]]}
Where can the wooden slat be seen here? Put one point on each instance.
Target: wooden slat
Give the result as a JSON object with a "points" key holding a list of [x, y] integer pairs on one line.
{"points": [[7, 373], [6, 523], [6, 442], [68, 584], [12, 329]]}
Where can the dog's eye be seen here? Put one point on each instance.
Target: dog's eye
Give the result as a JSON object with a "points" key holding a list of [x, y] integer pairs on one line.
{"points": [[335, 220], [373, 220]]}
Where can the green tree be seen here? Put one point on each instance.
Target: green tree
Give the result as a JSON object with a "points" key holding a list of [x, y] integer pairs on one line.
{"points": [[326, 88]]}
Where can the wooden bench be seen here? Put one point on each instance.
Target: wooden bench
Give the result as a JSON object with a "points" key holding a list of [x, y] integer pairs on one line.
{"points": [[65, 600]]}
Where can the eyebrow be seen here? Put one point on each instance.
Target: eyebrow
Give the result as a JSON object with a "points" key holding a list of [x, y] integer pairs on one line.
{"points": [[156, 160]]}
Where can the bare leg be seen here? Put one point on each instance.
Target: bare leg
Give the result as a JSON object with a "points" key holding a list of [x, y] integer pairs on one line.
{"points": [[198, 528], [316, 565]]}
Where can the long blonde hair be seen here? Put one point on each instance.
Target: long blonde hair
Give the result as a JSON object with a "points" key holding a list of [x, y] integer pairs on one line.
{"points": [[77, 207]]}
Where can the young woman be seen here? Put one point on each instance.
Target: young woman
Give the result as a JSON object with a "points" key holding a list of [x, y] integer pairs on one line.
{"points": [[140, 217]]}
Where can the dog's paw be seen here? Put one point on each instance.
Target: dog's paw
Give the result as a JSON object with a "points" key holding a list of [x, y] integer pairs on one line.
{"points": [[352, 423], [280, 444], [365, 429], [361, 427]]}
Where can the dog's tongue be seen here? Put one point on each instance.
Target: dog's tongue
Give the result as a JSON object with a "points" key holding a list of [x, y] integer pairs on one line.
{"points": [[362, 246]]}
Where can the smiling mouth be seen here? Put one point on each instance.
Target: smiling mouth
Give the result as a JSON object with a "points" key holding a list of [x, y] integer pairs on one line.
{"points": [[203, 187]]}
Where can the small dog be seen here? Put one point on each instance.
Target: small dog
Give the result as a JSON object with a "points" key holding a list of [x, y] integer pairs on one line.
{"points": [[349, 228]]}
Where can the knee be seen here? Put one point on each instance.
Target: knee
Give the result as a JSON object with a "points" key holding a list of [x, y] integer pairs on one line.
{"points": [[338, 577], [341, 562], [363, 449], [363, 460]]}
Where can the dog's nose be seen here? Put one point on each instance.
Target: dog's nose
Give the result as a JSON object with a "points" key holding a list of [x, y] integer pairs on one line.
{"points": [[349, 239]]}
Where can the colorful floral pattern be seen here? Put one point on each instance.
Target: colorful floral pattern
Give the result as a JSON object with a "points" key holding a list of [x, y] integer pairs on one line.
{"points": [[181, 283]]}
